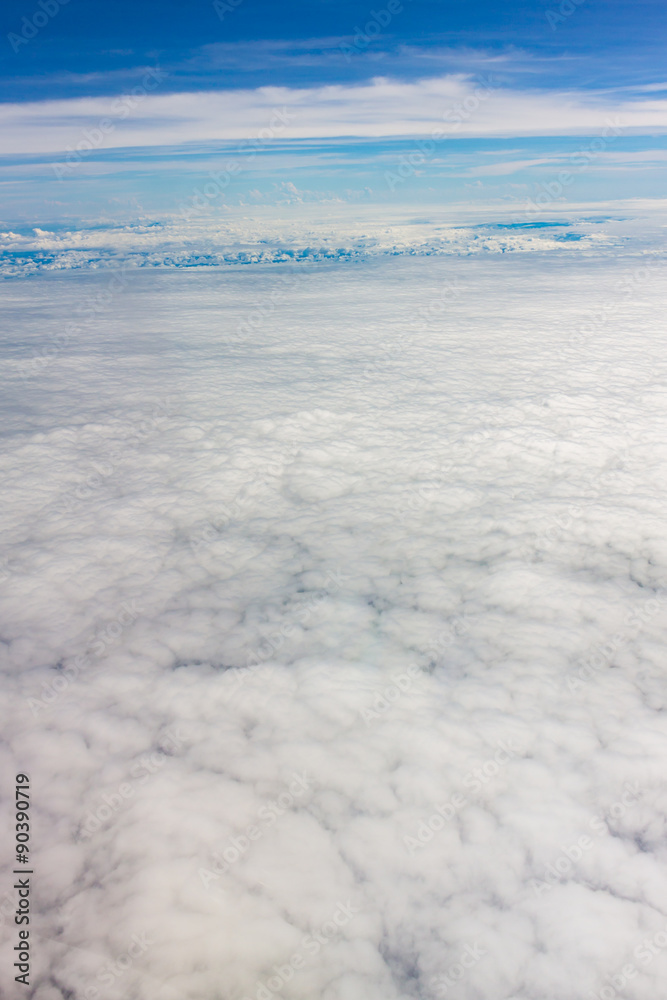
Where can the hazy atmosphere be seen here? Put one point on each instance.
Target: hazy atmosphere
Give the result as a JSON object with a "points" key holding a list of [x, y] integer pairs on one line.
{"points": [[333, 578]]}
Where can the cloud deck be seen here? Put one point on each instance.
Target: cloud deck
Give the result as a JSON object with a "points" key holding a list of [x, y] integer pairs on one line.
{"points": [[335, 646]]}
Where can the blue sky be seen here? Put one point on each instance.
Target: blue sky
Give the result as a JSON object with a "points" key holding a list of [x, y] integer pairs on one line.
{"points": [[95, 46], [359, 82]]}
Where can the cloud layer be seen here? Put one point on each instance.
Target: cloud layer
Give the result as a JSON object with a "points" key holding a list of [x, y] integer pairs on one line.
{"points": [[333, 631], [265, 237], [458, 104]]}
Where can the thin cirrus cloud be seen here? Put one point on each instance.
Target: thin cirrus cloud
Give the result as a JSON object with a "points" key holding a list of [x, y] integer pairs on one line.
{"points": [[470, 106], [646, 158]]}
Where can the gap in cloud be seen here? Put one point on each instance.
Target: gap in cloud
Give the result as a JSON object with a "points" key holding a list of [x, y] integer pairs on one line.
{"points": [[291, 236]]}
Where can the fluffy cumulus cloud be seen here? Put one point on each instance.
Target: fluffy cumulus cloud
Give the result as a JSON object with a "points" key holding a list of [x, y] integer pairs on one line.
{"points": [[333, 609], [204, 233]]}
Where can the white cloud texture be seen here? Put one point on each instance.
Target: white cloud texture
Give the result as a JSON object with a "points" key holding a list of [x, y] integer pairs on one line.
{"points": [[333, 633], [457, 104], [205, 233]]}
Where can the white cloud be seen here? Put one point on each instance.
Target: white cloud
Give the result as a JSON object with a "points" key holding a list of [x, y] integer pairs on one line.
{"points": [[607, 159], [510, 166], [207, 240], [380, 108], [455, 462]]}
